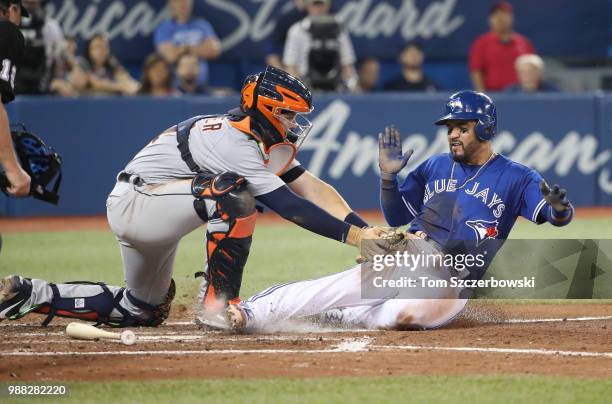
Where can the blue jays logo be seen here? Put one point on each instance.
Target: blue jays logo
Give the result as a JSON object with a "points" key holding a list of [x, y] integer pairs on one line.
{"points": [[484, 229], [455, 105]]}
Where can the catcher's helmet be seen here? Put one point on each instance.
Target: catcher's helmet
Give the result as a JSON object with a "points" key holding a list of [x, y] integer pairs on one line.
{"points": [[41, 162], [274, 99], [472, 106]]}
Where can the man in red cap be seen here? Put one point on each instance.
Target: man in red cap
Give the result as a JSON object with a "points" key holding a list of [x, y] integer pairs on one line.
{"points": [[493, 54]]}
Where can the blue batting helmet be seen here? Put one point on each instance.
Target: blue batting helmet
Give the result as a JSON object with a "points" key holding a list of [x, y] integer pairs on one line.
{"points": [[472, 106]]}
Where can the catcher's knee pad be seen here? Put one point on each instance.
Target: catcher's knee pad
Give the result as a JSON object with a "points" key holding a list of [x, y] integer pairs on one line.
{"points": [[227, 246], [99, 304], [227, 196]]}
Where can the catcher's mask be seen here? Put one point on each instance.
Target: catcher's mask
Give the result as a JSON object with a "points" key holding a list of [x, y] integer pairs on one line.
{"points": [[275, 102], [41, 162]]}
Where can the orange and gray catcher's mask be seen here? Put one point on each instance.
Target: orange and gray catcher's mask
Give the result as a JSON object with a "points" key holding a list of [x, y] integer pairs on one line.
{"points": [[276, 103]]}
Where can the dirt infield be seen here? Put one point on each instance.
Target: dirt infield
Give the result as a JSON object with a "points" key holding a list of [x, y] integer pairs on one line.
{"points": [[569, 340]]}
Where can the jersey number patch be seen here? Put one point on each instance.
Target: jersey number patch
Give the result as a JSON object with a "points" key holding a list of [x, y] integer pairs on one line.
{"points": [[8, 72], [212, 126]]}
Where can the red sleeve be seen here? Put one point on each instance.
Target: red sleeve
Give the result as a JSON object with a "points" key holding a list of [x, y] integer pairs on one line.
{"points": [[476, 58]]}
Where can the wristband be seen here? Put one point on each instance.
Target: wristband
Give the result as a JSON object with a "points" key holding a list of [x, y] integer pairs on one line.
{"points": [[354, 219], [561, 216]]}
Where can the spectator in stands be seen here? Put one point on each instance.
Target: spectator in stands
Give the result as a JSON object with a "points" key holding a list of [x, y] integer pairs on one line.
{"points": [[493, 54], [529, 69], [278, 37], [413, 78], [185, 34], [156, 77], [67, 57], [320, 51], [104, 72], [43, 40], [188, 71], [69, 72], [369, 73]]}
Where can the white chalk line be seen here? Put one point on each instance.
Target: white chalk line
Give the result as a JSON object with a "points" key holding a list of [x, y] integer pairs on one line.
{"points": [[169, 353], [554, 320], [348, 347], [529, 351]]}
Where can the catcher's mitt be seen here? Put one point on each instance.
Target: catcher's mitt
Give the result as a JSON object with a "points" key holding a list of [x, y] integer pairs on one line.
{"points": [[41, 162], [391, 240]]}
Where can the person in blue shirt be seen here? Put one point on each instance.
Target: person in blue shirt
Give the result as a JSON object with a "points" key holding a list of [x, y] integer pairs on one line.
{"points": [[455, 203], [184, 34]]}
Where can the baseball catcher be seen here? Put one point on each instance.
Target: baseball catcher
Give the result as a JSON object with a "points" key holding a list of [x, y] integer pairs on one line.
{"points": [[458, 202], [208, 169]]}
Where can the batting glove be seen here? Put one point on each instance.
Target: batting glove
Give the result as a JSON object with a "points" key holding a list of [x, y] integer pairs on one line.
{"points": [[555, 196]]}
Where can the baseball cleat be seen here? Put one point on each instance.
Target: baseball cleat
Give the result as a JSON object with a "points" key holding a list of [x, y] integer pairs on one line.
{"points": [[14, 291], [236, 317], [333, 317], [211, 322]]}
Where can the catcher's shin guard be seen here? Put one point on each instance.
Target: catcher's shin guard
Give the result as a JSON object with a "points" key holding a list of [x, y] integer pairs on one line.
{"points": [[91, 301], [230, 211]]}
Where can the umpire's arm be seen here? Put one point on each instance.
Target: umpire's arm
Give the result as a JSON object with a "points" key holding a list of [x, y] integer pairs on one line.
{"points": [[19, 180], [325, 196]]}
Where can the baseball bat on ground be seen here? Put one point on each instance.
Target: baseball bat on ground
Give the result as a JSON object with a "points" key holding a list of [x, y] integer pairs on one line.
{"points": [[89, 332]]}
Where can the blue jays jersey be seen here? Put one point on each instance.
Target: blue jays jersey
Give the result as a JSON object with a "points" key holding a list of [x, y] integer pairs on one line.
{"points": [[470, 205]]}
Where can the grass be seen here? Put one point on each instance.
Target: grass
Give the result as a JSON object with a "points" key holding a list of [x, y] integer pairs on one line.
{"points": [[417, 389]]}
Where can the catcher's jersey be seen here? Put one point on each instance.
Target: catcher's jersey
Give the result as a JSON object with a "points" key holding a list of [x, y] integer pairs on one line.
{"points": [[485, 208], [215, 146], [11, 52]]}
